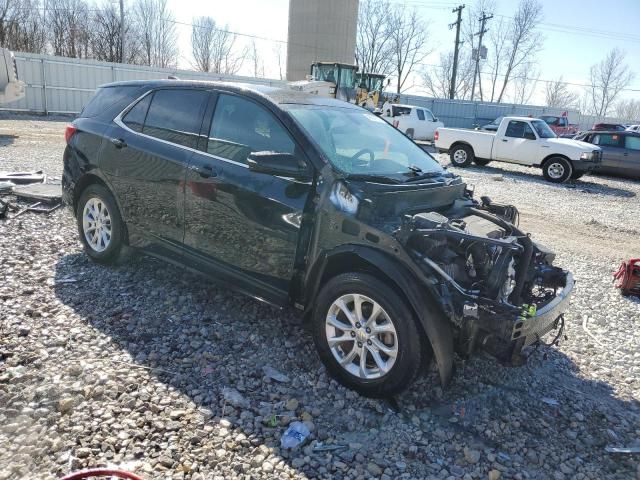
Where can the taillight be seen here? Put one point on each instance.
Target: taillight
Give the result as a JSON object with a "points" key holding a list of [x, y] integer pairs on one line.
{"points": [[396, 123], [68, 133], [436, 136]]}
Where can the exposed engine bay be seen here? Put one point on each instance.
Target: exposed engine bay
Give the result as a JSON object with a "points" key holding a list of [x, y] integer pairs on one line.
{"points": [[493, 279]]}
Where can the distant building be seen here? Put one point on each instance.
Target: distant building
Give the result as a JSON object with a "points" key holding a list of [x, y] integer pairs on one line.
{"points": [[320, 30]]}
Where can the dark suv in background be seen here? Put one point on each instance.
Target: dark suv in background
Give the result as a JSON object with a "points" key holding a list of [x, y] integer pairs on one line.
{"points": [[620, 151], [315, 203]]}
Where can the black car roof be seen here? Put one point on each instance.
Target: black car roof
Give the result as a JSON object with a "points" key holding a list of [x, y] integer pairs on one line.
{"points": [[615, 132], [277, 95]]}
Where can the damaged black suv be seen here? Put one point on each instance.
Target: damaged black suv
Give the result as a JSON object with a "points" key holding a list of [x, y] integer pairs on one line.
{"points": [[315, 203]]}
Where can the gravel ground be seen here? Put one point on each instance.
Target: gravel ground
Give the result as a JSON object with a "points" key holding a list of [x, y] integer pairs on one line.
{"points": [[159, 371]]}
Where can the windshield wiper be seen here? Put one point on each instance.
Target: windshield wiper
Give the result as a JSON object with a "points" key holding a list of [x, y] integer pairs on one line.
{"points": [[414, 169], [424, 176], [372, 178]]}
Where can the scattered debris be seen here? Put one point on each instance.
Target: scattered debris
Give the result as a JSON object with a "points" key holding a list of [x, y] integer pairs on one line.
{"points": [[550, 401], [321, 447], [274, 374], [23, 178], [627, 278], [631, 450], [235, 398], [295, 435], [6, 187], [43, 192], [36, 208]]}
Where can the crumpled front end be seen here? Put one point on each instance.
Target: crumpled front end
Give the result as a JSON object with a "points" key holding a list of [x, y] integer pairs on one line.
{"points": [[500, 290]]}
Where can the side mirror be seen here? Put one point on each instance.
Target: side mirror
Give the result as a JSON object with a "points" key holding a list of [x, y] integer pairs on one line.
{"points": [[278, 164], [530, 136], [435, 119]]}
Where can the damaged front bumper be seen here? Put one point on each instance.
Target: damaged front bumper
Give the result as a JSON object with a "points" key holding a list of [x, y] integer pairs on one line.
{"points": [[529, 330]]}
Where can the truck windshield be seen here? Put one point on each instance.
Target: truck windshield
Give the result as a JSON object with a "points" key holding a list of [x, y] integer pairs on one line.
{"points": [[542, 129], [358, 142]]}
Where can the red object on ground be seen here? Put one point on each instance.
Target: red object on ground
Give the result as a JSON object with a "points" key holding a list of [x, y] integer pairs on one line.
{"points": [[627, 278], [107, 473]]}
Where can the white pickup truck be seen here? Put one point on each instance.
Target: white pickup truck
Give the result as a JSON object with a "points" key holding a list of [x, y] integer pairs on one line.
{"points": [[417, 123], [522, 140]]}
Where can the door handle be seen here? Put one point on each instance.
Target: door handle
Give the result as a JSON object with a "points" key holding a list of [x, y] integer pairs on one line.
{"points": [[118, 142], [505, 140], [205, 171]]}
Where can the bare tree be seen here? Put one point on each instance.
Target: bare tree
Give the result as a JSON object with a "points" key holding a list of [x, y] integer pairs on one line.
{"points": [[256, 60], [213, 48], [608, 78], [524, 82], [21, 26], [106, 32], [437, 79], [68, 26], [281, 56], [157, 30], [628, 109], [408, 36], [557, 94], [374, 52]]}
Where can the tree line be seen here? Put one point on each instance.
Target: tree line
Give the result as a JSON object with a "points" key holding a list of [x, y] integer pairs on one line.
{"points": [[392, 39]]}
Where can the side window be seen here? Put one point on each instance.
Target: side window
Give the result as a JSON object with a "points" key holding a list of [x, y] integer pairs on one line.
{"points": [[515, 129], [176, 116], [632, 143], [134, 119], [429, 116], [607, 140], [241, 126], [420, 113]]}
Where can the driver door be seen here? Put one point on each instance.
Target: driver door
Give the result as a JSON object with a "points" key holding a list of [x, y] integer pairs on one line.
{"points": [[241, 225], [518, 145]]}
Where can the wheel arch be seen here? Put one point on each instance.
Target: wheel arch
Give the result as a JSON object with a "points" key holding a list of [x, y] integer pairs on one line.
{"points": [[93, 178], [555, 155], [355, 258], [458, 143]]}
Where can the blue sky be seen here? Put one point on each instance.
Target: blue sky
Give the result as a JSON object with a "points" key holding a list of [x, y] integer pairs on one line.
{"points": [[578, 33]]}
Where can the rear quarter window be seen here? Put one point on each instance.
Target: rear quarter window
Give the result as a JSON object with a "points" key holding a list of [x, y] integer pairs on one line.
{"points": [[107, 99]]}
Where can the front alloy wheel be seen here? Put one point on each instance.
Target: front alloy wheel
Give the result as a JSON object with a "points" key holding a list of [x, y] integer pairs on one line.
{"points": [[557, 170], [361, 336], [366, 335]]}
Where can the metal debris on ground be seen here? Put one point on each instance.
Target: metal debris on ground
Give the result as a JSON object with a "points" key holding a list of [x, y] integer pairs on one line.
{"points": [[321, 447], [36, 208], [6, 187], [43, 192], [631, 450], [22, 178]]}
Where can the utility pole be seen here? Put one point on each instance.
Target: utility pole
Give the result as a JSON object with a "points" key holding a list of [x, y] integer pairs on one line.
{"points": [[121, 31], [452, 87], [481, 33]]}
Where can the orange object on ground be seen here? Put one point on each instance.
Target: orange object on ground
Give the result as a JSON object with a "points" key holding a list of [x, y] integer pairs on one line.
{"points": [[627, 278]]}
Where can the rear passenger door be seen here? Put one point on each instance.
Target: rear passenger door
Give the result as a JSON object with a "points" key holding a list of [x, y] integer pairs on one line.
{"points": [[145, 159], [612, 150], [241, 225], [631, 160]]}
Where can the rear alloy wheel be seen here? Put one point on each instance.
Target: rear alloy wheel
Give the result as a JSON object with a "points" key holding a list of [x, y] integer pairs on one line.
{"points": [[366, 335], [557, 170], [461, 156], [99, 224]]}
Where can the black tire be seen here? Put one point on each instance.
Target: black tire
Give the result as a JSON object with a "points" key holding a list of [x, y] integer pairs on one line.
{"points": [[409, 133], [557, 170], [577, 175], [408, 361], [483, 162], [461, 156], [116, 240]]}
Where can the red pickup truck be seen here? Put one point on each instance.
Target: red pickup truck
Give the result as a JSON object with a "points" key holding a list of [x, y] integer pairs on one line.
{"points": [[560, 124]]}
